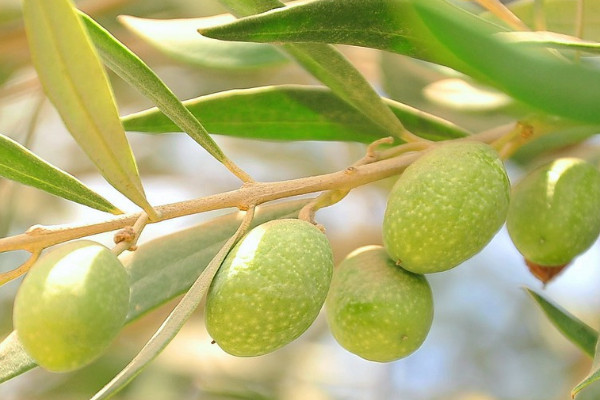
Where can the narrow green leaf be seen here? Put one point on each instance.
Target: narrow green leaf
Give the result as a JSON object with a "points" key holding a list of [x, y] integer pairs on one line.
{"points": [[550, 40], [178, 38], [75, 82], [592, 377], [161, 270], [570, 326], [440, 32], [333, 69], [14, 361], [291, 112], [176, 319], [135, 72], [391, 25], [21, 165]]}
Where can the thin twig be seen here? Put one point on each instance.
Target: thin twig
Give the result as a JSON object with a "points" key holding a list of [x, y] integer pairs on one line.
{"points": [[21, 270], [129, 235]]}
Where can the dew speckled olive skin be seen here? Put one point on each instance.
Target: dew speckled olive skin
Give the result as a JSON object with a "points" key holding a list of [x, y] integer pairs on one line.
{"points": [[376, 309], [270, 288], [554, 213], [71, 305], [446, 207]]}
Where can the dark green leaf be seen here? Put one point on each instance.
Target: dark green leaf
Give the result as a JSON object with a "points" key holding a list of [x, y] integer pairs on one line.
{"points": [[161, 270], [333, 69], [437, 31], [391, 25], [179, 39], [291, 112], [21, 165], [570, 326]]}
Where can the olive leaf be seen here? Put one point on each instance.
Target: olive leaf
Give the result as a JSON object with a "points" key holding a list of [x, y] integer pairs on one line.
{"points": [[161, 270], [74, 80], [134, 71], [291, 112], [177, 318], [551, 40], [592, 377], [21, 165], [579, 333], [437, 31], [329, 66], [179, 39]]}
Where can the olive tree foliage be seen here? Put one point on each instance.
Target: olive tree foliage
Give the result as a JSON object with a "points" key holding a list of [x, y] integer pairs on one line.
{"points": [[536, 65]]}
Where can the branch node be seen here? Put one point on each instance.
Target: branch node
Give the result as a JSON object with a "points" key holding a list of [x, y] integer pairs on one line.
{"points": [[350, 170], [126, 234], [36, 230]]}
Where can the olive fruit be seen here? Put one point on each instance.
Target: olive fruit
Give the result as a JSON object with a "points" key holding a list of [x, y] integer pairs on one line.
{"points": [[71, 305], [554, 213], [446, 207], [376, 309], [270, 287]]}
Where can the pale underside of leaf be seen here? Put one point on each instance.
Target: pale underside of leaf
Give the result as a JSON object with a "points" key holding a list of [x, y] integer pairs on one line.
{"points": [[592, 377], [76, 83], [291, 112], [179, 39], [161, 270], [176, 319], [19, 164]]}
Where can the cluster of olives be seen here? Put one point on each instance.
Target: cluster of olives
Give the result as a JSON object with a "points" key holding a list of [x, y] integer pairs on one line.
{"points": [[443, 209]]}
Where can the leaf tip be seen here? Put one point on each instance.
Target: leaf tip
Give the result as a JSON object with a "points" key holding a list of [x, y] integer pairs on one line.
{"points": [[116, 211]]}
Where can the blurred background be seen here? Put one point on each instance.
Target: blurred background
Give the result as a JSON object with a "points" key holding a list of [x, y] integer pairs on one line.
{"points": [[489, 341]]}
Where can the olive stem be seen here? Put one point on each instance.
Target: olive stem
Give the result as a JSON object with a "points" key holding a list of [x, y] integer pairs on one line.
{"points": [[332, 197], [177, 318], [22, 269], [127, 238]]}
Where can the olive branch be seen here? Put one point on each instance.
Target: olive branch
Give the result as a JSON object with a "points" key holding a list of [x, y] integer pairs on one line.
{"points": [[375, 166]]}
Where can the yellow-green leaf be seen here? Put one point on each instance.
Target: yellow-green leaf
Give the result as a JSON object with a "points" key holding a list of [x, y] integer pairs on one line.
{"points": [[76, 83]]}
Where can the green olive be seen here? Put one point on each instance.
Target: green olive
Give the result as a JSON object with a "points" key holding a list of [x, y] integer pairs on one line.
{"points": [[270, 288], [376, 309], [446, 207], [554, 213], [71, 305]]}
